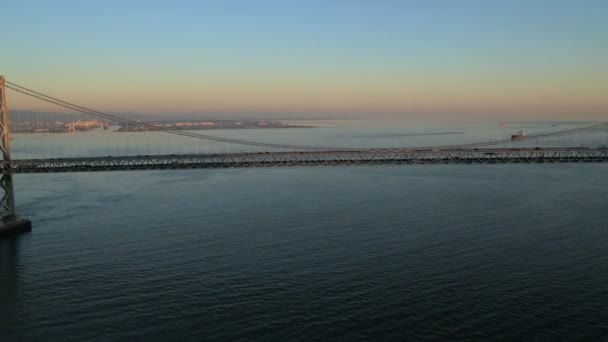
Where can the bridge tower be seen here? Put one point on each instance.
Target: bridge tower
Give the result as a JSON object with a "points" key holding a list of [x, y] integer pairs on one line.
{"points": [[10, 223]]}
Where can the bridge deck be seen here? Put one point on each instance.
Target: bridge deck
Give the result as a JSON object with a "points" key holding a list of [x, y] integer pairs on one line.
{"points": [[309, 158]]}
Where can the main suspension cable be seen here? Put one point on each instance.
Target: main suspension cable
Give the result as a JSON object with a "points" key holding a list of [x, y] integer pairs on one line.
{"points": [[75, 107]]}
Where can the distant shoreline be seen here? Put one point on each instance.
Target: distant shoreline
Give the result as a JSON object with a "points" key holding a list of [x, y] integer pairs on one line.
{"points": [[28, 127], [123, 129]]}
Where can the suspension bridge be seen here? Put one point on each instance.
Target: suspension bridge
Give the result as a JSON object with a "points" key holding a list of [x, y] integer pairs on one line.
{"points": [[503, 151]]}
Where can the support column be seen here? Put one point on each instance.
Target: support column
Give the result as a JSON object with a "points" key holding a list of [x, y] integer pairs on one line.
{"points": [[10, 221], [7, 203]]}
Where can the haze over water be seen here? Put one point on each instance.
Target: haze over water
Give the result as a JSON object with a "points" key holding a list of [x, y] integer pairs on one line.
{"points": [[361, 133]]}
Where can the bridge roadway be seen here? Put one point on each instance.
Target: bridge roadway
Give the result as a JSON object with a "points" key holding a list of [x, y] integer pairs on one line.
{"points": [[311, 158]]}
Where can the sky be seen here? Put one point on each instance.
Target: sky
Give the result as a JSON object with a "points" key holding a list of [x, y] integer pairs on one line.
{"points": [[313, 58]]}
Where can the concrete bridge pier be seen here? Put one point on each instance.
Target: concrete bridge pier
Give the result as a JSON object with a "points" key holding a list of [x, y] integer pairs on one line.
{"points": [[11, 223], [15, 227]]}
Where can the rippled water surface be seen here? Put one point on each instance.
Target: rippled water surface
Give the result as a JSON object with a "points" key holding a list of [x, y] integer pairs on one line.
{"points": [[504, 252]]}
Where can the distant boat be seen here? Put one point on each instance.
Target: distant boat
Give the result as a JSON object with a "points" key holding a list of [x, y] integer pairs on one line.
{"points": [[503, 125], [519, 135]]}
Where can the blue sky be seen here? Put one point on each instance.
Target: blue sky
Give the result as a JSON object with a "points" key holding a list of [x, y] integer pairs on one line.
{"points": [[333, 58]]}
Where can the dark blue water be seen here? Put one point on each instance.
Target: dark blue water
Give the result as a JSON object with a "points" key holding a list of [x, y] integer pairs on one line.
{"points": [[513, 252]]}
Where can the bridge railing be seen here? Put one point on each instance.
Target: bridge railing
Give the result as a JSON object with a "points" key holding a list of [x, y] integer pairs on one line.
{"points": [[310, 158]]}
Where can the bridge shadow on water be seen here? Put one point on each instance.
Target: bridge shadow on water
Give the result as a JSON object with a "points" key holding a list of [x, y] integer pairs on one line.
{"points": [[11, 289]]}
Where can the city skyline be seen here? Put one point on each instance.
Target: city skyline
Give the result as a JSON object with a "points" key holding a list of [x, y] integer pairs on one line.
{"points": [[315, 59]]}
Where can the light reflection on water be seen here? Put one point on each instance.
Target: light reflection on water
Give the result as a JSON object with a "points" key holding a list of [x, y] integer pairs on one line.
{"points": [[511, 252]]}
